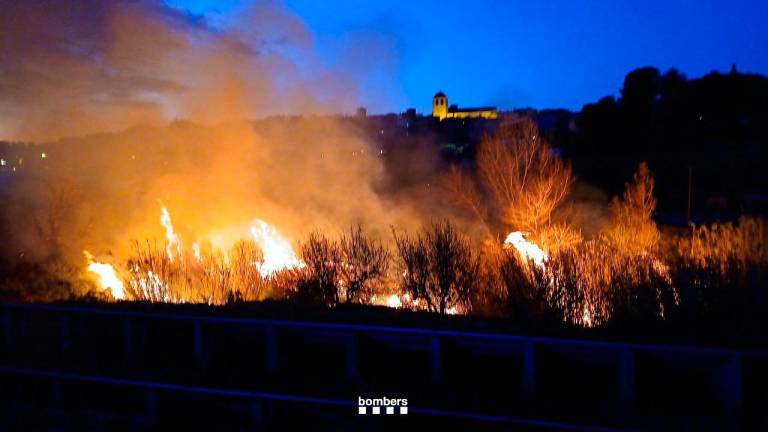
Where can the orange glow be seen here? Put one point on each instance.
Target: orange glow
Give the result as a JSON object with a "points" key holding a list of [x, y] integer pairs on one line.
{"points": [[527, 250], [196, 252], [393, 301], [277, 251], [171, 238], [107, 276]]}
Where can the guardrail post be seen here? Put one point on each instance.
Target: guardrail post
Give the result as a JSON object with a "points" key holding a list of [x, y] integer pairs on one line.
{"points": [[529, 368], [57, 393], [199, 347], [730, 383], [257, 414], [151, 405], [273, 353], [437, 361], [128, 342], [351, 347], [625, 376], [65, 328], [7, 334]]}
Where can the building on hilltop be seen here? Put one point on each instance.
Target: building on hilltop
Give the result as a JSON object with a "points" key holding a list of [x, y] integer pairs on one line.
{"points": [[442, 110]]}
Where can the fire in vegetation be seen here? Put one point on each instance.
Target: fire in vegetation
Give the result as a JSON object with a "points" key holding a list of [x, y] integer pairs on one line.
{"points": [[213, 276], [527, 250], [277, 251], [506, 246], [107, 277]]}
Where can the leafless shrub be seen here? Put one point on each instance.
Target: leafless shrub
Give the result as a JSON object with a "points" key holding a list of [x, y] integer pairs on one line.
{"points": [[213, 282], [152, 276], [722, 270], [557, 237], [634, 232], [248, 283], [718, 245], [521, 183], [363, 262], [438, 267], [319, 279], [523, 175]]}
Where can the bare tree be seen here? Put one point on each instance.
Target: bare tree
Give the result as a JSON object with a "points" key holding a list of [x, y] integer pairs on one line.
{"points": [[462, 189], [527, 180], [319, 280], [634, 231], [363, 261], [439, 267], [248, 283], [519, 171], [55, 214]]}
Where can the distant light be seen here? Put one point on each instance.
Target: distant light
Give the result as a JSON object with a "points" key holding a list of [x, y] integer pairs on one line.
{"points": [[133, 157], [43, 155], [2, 162]]}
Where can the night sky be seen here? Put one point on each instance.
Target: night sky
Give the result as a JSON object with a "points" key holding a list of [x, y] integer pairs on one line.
{"points": [[554, 53]]}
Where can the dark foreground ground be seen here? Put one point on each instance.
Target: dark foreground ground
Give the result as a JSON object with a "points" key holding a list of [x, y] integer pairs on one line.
{"points": [[275, 366]]}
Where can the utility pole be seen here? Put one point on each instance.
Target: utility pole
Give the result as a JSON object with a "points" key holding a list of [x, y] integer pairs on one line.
{"points": [[690, 178]]}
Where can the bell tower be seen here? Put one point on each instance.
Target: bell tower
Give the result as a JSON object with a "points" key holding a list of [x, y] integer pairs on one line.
{"points": [[440, 105]]}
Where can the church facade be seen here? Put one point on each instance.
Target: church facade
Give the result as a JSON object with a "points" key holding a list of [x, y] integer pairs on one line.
{"points": [[442, 110]]}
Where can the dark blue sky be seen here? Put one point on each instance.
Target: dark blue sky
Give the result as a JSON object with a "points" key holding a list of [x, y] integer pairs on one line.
{"points": [[540, 53]]}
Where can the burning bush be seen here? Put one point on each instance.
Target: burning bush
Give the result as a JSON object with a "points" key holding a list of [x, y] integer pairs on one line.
{"points": [[634, 232], [318, 282], [438, 268], [512, 286], [722, 271], [594, 282], [215, 278], [523, 178], [364, 262], [720, 246], [342, 271]]}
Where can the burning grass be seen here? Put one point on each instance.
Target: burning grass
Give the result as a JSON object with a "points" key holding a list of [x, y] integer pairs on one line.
{"points": [[439, 270], [588, 283], [529, 263]]}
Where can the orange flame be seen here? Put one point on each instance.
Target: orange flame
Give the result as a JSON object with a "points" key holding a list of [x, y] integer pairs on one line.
{"points": [[107, 276], [196, 252], [528, 250], [277, 251], [170, 236]]}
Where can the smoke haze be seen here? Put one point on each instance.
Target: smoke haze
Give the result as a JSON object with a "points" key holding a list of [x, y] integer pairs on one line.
{"points": [[102, 83]]}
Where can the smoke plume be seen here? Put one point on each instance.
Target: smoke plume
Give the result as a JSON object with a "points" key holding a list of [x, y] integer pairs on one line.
{"points": [[137, 103]]}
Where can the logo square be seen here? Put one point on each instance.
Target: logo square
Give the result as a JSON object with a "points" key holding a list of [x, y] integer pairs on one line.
{"points": [[361, 410], [376, 410], [403, 410], [390, 410]]}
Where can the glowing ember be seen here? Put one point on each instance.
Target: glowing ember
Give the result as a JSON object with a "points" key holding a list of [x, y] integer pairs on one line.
{"points": [[277, 251], [526, 249], [170, 236], [108, 278], [393, 301], [586, 317]]}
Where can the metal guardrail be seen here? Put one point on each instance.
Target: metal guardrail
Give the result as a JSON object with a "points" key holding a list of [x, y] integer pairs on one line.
{"points": [[728, 371], [500, 337], [278, 397]]}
